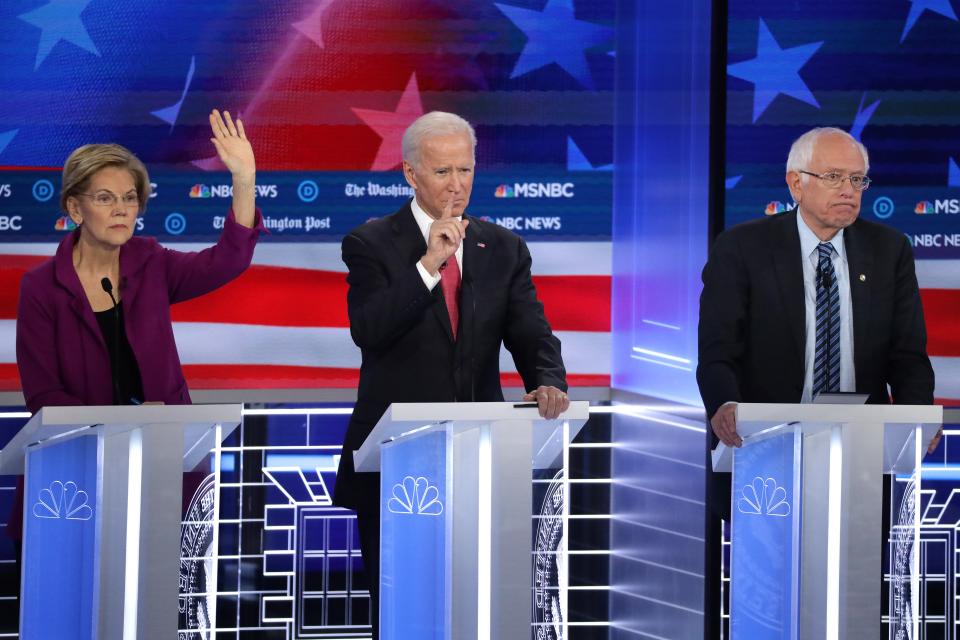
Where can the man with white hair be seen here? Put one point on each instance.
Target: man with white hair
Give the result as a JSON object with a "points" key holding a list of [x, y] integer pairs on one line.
{"points": [[433, 293], [813, 300]]}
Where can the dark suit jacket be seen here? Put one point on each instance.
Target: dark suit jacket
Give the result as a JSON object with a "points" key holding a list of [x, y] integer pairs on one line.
{"points": [[61, 354], [752, 336], [403, 330]]}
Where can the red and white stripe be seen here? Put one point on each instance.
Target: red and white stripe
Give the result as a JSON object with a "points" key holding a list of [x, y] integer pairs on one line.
{"points": [[940, 289], [283, 323]]}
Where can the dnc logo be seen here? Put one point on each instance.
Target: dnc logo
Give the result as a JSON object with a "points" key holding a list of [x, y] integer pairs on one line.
{"points": [[200, 191], [924, 207], [775, 207], [505, 191]]}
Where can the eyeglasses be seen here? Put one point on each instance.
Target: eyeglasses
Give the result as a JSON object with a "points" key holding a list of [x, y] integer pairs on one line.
{"points": [[108, 199], [833, 180]]}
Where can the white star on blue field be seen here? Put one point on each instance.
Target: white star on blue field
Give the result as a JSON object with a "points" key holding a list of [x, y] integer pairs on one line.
{"points": [[775, 71], [917, 7], [59, 20], [555, 35]]}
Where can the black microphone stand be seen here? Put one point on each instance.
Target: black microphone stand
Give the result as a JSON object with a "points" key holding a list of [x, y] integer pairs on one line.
{"points": [[115, 357]]}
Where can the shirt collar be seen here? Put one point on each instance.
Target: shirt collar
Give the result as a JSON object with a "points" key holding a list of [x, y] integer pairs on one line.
{"points": [[809, 241], [423, 218]]}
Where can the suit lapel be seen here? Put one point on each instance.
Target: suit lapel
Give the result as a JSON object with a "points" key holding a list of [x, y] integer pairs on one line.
{"points": [[410, 244], [476, 255], [859, 263], [407, 237], [66, 276], [476, 258], [132, 261], [789, 269], [440, 310]]}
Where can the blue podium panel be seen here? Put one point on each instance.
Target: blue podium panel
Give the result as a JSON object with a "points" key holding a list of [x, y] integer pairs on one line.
{"points": [[60, 523], [414, 552], [765, 567]]}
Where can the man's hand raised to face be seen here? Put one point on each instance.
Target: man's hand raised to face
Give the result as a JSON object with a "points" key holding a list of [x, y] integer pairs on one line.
{"points": [[445, 237]]}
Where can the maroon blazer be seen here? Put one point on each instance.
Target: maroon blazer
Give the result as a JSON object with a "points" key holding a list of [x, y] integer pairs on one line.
{"points": [[62, 356]]}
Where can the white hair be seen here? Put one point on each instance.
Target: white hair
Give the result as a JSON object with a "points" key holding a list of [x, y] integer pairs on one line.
{"points": [[801, 152], [435, 123]]}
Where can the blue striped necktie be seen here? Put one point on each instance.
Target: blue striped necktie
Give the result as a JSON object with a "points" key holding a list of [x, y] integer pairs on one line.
{"points": [[826, 362]]}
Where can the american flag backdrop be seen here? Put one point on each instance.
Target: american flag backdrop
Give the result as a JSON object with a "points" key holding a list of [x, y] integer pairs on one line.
{"points": [[283, 323], [889, 73], [325, 88], [940, 290]]}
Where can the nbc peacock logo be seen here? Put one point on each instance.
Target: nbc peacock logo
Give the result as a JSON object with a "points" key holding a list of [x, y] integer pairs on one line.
{"points": [[764, 497], [415, 496], [924, 207], [64, 223], [63, 500], [774, 207], [200, 191], [505, 191]]}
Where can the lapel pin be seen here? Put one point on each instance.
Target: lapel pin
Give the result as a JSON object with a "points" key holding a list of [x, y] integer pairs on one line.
{"points": [[863, 278], [481, 245]]}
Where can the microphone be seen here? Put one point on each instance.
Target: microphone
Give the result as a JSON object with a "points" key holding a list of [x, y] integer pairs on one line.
{"points": [[115, 356], [108, 287]]}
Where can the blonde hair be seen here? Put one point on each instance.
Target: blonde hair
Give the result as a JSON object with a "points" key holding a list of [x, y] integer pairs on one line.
{"points": [[87, 160]]}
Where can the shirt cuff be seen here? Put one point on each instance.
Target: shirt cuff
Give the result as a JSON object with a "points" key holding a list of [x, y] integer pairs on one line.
{"points": [[429, 280]]}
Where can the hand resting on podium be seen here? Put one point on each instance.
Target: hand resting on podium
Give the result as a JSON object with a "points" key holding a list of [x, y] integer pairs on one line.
{"points": [[724, 424], [551, 401]]}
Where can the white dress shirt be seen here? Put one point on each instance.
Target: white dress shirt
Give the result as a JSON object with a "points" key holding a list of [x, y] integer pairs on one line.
{"points": [[811, 257], [424, 221]]}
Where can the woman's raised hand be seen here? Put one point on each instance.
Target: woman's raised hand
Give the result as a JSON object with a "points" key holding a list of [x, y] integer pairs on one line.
{"points": [[232, 145]]}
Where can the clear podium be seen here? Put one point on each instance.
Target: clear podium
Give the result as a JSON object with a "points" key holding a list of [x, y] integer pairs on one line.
{"points": [[807, 493], [456, 496], [102, 515]]}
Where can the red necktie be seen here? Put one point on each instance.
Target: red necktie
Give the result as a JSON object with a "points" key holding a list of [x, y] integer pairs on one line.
{"points": [[450, 285]]}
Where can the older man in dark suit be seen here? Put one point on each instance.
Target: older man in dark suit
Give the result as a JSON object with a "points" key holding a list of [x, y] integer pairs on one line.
{"points": [[813, 300], [433, 293]]}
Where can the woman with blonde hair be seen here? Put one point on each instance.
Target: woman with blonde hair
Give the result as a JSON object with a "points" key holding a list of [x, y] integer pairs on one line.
{"points": [[93, 322]]}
